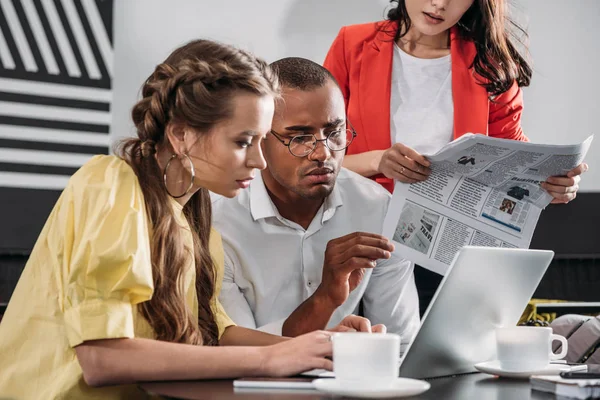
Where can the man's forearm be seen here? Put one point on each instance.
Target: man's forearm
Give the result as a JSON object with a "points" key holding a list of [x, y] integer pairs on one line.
{"points": [[312, 315]]}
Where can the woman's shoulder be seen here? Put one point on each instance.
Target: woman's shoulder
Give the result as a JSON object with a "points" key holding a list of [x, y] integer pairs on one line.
{"points": [[365, 31], [103, 176], [103, 169]]}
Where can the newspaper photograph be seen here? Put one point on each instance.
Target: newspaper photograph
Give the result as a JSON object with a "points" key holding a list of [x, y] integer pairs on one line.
{"points": [[482, 191]]}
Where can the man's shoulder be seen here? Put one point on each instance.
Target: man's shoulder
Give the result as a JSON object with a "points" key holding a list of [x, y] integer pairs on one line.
{"points": [[356, 187]]}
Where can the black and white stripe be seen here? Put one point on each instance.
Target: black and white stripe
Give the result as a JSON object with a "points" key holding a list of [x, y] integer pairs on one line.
{"points": [[56, 65]]}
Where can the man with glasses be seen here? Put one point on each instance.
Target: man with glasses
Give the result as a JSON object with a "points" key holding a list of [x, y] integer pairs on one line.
{"points": [[302, 249]]}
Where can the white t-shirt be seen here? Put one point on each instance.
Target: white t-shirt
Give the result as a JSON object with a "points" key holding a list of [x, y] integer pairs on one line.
{"points": [[422, 110]]}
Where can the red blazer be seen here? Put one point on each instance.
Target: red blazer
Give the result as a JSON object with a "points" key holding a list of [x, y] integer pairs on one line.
{"points": [[360, 59]]}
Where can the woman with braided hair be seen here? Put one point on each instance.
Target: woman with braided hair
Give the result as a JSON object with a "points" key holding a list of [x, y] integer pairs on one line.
{"points": [[122, 284]]}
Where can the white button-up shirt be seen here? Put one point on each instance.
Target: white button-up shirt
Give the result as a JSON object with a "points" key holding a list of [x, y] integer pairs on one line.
{"points": [[272, 265]]}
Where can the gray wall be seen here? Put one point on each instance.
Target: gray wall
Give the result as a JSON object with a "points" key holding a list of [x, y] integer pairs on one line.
{"points": [[561, 104]]}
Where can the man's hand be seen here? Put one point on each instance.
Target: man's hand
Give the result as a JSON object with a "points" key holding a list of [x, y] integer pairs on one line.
{"points": [[346, 259], [354, 323], [564, 189]]}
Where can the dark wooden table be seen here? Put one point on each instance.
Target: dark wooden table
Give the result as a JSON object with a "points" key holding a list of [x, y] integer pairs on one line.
{"points": [[471, 386]]}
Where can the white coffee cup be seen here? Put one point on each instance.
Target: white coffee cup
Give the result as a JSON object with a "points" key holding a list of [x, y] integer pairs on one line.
{"points": [[366, 356], [527, 348]]}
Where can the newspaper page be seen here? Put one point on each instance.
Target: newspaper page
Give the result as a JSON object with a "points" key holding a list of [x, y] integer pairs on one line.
{"points": [[482, 191]]}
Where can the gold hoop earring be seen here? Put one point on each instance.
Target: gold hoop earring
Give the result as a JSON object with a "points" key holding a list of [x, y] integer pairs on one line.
{"points": [[193, 172]]}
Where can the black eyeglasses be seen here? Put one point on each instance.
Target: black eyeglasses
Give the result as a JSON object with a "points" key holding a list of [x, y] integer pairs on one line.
{"points": [[303, 145]]}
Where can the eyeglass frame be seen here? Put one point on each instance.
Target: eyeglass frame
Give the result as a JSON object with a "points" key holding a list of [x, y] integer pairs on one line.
{"points": [[281, 139]]}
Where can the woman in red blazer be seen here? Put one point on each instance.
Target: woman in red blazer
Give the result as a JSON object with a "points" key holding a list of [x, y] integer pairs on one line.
{"points": [[484, 95]]}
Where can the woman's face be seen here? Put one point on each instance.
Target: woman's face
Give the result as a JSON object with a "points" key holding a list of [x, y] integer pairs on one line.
{"points": [[432, 17], [225, 158]]}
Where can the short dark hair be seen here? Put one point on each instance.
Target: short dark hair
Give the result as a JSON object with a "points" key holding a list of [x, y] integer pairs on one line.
{"points": [[301, 73]]}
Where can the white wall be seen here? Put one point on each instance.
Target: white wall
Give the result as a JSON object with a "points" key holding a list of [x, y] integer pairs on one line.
{"points": [[561, 105], [147, 31]]}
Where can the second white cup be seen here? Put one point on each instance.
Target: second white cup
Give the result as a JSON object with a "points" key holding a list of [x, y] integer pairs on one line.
{"points": [[527, 348]]}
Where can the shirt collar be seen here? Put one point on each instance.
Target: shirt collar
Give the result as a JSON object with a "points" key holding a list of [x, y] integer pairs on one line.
{"points": [[332, 202], [261, 205]]}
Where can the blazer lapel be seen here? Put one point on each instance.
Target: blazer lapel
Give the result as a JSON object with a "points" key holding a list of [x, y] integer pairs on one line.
{"points": [[374, 88], [471, 104]]}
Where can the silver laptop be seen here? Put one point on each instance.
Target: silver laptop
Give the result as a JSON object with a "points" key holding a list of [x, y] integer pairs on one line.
{"points": [[484, 288]]}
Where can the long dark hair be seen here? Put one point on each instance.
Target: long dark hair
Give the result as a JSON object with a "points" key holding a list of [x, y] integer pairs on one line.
{"points": [[194, 86], [485, 23]]}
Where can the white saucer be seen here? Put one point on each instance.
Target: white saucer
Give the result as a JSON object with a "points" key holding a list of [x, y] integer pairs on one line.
{"points": [[493, 368], [398, 387]]}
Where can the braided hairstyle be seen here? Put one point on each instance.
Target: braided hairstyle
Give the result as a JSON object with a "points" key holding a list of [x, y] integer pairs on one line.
{"points": [[194, 87]]}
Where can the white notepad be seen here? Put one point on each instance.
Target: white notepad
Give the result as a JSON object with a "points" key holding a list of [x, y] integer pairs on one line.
{"points": [[574, 388]]}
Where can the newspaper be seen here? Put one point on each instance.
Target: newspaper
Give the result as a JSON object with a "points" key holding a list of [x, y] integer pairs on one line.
{"points": [[482, 191]]}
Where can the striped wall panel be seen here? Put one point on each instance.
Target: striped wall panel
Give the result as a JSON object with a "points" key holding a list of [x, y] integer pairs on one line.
{"points": [[56, 68]]}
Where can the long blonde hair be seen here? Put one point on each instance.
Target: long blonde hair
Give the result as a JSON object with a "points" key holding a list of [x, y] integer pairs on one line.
{"points": [[194, 86]]}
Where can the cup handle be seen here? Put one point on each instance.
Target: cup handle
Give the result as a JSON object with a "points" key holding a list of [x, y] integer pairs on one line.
{"points": [[563, 349]]}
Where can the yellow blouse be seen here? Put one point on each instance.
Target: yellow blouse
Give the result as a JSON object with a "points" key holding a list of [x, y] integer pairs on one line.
{"points": [[88, 270]]}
